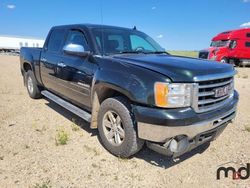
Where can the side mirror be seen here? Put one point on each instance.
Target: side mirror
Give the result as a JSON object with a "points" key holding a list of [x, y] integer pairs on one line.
{"points": [[75, 49]]}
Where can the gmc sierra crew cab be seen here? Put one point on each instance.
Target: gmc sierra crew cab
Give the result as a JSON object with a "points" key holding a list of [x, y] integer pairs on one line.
{"points": [[130, 89]]}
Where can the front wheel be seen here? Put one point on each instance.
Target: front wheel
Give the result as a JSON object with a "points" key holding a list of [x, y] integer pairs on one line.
{"points": [[224, 60], [117, 128]]}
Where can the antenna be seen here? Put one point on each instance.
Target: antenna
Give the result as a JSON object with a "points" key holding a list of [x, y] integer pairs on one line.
{"points": [[101, 12], [102, 30]]}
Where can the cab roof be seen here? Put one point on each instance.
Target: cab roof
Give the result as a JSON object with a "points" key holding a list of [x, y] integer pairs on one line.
{"points": [[91, 26], [233, 34]]}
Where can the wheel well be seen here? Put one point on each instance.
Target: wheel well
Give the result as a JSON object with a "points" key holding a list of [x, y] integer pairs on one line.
{"points": [[99, 96], [105, 93], [26, 67]]}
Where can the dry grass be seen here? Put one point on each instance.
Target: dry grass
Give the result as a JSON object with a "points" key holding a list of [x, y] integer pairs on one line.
{"points": [[245, 76], [75, 127], [91, 150], [62, 137], [247, 128], [45, 184]]}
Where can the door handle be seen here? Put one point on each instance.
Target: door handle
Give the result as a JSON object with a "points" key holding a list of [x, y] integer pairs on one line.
{"points": [[61, 64]]}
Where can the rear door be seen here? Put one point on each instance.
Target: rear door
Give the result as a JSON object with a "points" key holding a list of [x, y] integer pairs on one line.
{"points": [[51, 55], [75, 73]]}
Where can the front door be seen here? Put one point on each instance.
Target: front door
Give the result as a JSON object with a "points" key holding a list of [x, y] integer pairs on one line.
{"points": [[75, 73]]}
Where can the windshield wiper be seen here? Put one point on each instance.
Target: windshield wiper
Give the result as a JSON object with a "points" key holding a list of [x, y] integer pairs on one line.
{"points": [[158, 52], [142, 52], [131, 52]]}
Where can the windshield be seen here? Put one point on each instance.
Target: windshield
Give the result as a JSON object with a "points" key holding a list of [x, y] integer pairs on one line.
{"points": [[116, 41], [219, 43]]}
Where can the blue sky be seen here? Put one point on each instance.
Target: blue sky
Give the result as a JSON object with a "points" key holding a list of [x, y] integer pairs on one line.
{"points": [[176, 25]]}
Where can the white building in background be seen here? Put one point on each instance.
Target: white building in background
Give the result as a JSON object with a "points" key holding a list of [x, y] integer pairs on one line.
{"points": [[13, 43]]}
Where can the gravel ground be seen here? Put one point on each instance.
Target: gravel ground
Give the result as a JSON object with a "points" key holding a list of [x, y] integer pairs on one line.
{"points": [[30, 155]]}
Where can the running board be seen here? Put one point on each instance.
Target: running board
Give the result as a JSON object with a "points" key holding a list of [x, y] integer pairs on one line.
{"points": [[72, 108]]}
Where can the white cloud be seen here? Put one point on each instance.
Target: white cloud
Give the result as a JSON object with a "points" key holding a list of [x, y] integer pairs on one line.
{"points": [[247, 24], [153, 8], [246, 1], [160, 36], [11, 6]]}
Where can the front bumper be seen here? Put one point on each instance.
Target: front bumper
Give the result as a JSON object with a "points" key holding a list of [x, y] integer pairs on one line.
{"points": [[197, 141], [158, 133], [161, 125]]}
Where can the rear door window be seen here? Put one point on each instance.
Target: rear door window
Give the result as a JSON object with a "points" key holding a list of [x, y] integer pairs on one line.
{"points": [[56, 40]]}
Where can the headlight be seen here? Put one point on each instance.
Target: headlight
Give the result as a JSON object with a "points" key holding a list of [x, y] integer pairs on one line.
{"points": [[173, 95]]}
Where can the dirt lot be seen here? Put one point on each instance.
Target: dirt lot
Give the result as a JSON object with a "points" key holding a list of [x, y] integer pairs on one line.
{"points": [[30, 155]]}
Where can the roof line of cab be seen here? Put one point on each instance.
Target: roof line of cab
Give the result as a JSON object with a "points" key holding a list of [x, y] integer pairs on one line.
{"points": [[90, 26], [226, 35]]}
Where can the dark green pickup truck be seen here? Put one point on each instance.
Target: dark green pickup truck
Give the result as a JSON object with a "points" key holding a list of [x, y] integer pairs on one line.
{"points": [[123, 83]]}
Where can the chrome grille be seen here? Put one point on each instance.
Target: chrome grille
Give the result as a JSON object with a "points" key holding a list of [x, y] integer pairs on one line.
{"points": [[204, 98]]}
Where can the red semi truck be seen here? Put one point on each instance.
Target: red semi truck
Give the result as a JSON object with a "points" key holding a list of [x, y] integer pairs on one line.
{"points": [[230, 47]]}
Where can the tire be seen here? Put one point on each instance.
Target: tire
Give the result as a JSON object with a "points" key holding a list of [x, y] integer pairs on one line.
{"points": [[241, 64], [124, 120], [224, 60], [31, 85]]}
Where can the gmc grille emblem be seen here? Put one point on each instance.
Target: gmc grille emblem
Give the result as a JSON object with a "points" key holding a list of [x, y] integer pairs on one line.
{"points": [[222, 91]]}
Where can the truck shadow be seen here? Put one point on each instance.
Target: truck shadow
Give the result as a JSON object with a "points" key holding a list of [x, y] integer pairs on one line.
{"points": [[146, 154], [72, 117], [166, 162]]}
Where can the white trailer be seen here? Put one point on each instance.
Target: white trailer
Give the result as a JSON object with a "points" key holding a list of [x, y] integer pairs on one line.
{"points": [[13, 43]]}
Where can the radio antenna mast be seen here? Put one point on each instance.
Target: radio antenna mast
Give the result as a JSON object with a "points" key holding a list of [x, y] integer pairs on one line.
{"points": [[102, 31]]}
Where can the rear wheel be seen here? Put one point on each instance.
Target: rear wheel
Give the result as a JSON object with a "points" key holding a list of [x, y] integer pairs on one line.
{"points": [[117, 128], [241, 64], [31, 84]]}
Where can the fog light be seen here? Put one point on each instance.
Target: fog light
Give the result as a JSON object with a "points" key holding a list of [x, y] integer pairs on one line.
{"points": [[178, 145]]}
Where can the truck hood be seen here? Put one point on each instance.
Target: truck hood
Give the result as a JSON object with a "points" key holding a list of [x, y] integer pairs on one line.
{"points": [[178, 69]]}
